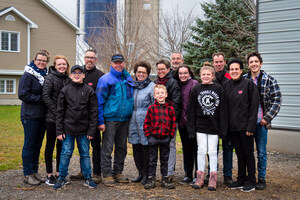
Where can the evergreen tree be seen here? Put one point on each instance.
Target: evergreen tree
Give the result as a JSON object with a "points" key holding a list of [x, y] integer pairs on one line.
{"points": [[229, 26]]}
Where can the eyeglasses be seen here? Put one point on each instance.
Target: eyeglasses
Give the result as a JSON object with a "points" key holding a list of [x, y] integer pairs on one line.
{"points": [[163, 69], [39, 60], [91, 58], [77, 73]]}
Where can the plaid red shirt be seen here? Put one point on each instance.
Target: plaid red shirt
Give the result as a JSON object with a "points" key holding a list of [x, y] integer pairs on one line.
{"points": [[160, 120]]}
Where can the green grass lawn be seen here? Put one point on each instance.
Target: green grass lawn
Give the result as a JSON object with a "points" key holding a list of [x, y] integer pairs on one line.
{"points": [[12, 138]]}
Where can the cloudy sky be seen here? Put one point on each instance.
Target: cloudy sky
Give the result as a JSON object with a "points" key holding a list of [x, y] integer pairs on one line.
{"points": [[68, 7]]}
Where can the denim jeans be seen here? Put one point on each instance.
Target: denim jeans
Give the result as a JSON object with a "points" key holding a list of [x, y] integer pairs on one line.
{"points": [[227, 157], [261, 138], [83, 145], [34, 132]]}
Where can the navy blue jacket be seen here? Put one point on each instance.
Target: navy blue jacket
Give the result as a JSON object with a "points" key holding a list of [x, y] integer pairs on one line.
{"points": [[30, 93]]}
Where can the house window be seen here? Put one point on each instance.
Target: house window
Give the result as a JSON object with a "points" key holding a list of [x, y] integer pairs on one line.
{"points": [[7, 86], [10, 41]]}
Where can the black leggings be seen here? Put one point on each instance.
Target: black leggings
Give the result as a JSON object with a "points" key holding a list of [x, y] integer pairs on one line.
{"points": [[50, 143]]}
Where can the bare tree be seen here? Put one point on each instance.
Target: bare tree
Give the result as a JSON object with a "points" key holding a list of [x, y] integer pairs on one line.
{"points": [[121, 34], [174, 30]]}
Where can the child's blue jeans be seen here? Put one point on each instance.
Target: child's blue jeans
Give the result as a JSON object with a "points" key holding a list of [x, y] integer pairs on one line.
{"points": [[67, 151]]}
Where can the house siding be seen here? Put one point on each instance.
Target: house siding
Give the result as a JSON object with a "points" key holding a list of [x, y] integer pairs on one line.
{"points": [[278, 41], [14, 60]]}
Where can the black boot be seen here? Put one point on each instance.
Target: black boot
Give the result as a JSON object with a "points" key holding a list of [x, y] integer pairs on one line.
{"points": [[166, 183], [137, 179], [144, 179], [151, 183]]}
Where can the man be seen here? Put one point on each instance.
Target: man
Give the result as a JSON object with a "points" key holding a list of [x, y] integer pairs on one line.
{"points": [[222, 75], [115, 105], [176, 60], [270, 101], [92, 75], [165, 77]]}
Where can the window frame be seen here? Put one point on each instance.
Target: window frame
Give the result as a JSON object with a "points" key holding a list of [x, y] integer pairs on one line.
{"points": [[9, 40], [5, 85]]}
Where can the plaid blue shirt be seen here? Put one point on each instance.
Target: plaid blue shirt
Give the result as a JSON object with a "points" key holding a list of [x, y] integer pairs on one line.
{"points": [[270, 95]]}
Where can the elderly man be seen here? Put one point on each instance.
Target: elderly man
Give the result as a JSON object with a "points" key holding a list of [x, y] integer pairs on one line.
{"points": [[270, 102], [222, 75], [115, 105], [176, 61]]}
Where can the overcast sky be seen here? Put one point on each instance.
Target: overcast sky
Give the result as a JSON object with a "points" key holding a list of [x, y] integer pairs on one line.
{"points": [[68, 7]]}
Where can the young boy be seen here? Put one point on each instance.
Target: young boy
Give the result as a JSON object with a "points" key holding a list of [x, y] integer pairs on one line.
{"points": [[159, 128], [77, 113]]}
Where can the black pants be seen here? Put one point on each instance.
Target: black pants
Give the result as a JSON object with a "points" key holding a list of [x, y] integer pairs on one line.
{"points": [[189, 148], [244, 148], [96, 153], [50, 144], [164, 150], [141, 158]]}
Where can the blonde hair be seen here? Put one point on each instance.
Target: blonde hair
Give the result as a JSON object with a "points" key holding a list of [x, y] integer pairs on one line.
{"points": [[64, 58], [207, 64], [159, 86], [208, 68]]}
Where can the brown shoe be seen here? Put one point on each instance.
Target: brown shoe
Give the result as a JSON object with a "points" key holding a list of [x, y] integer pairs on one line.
{"points": [[109, 181], [30, 180], [212, 184], [78, 176], [39, 178], [199, 180], [96, 178], [120, 178]]}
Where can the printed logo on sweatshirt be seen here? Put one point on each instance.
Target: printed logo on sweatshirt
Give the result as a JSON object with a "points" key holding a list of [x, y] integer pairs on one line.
{"points": [[240, 91], [90, 84], [209, 101]]}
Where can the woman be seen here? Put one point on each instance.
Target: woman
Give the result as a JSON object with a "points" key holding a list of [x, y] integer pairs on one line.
{"points": [[189, 145], [54, 82], [143, 98], [33, 115], [243, 100]]}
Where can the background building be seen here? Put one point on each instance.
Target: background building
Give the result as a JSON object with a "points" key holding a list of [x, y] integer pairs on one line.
{"points": [[92, 16], [23, 32], [278, 41]]}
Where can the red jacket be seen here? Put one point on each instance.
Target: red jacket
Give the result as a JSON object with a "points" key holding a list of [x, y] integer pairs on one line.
{"points": [[160, 120]]}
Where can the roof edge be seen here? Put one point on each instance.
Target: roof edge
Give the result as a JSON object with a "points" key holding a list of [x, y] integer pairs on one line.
{"points": [[62, 16], [13, 9]]}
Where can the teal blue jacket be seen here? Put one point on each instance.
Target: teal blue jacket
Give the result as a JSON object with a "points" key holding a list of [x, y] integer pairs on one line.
{"points": [[115, 96]]}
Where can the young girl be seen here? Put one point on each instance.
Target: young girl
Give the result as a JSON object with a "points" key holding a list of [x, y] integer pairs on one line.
{"points": [[207, 120]]}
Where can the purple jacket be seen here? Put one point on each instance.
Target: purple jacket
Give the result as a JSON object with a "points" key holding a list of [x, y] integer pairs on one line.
{"points": [[186, 88]]}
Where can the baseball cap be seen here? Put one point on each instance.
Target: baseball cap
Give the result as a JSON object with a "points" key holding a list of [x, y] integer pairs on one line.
{"points": [[117, 57], [76, 67]]}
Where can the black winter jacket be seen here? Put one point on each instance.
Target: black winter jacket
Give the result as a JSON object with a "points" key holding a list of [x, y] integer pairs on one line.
{"points": [[243, 101], [92, 76], [53, 84], [77, 110], [174, 92], [30, 93]]}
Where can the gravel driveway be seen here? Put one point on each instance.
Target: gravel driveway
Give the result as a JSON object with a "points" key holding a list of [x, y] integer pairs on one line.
{"points": [[283, 182]]}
